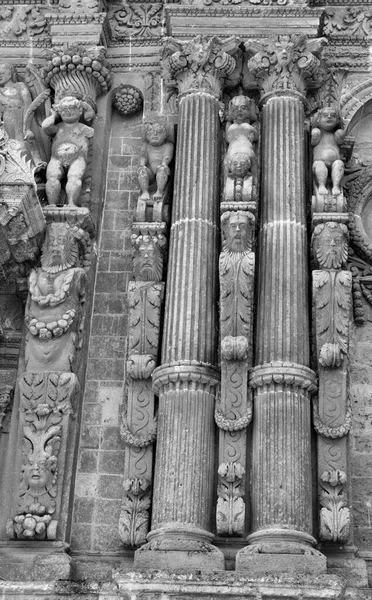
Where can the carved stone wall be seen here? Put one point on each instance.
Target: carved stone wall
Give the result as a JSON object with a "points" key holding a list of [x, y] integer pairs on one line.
{"points": [[83, 463]]}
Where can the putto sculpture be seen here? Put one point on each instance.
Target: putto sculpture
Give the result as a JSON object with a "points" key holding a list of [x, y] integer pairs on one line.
{"points": [[15, 99], [154, 172], [69, 148], [327, 136], [240, 157]]}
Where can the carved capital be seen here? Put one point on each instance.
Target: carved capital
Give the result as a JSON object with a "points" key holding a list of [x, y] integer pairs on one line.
{"points": [[288, 64], [179, 374], [199, 65]]}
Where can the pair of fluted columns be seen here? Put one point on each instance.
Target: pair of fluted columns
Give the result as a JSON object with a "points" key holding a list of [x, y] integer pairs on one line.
{"points": [[187, 380]]}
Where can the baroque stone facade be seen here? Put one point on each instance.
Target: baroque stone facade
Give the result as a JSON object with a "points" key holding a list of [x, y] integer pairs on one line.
{"points": [[186, 299]]}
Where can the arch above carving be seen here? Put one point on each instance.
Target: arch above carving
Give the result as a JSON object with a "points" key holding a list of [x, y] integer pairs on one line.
{"points": [[357, 104]]}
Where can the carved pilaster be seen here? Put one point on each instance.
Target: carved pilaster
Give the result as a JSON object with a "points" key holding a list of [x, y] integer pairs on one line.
{"points": [[282, 380], [332, 293], [186, 380], [138, 429], [49, 388], [234, 411]]}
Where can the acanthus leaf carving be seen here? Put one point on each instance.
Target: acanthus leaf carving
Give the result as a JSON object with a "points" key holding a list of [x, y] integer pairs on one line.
{"points": [[230, 504], [134, 516], [350, 21], [332, 301], [46, 403], [334, 516]]}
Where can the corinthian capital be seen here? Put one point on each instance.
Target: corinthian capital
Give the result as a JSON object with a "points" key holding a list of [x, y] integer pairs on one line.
{"points": [[199, 65], [289, 63]]}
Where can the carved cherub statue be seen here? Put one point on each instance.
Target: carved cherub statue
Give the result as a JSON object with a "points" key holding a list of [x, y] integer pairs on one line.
{"points": [[14, 102], [54, 310], [154, 170], [240, 157], [69, 148], [326, 137]]}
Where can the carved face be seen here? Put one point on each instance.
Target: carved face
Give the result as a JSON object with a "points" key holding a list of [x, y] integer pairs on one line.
{"points": [[240, 109], [284, 51], [329, 118], [236, 229], [38, 475], [239, 165], [147, 261], [330, 245], [60, 249], [70, 109], [156, 134], [5, 73]]}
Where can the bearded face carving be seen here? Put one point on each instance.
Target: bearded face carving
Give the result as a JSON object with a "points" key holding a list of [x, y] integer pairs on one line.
{"points": [[60, 248], [148, 257], [330, 244], [237, 230]]}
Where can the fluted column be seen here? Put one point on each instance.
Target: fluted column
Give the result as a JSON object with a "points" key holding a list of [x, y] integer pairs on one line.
{"points": [[187, 379], [281, 463]]}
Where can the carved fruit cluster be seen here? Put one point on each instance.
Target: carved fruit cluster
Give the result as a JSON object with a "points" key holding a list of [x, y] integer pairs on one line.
{"points": [[128, 100], [34, 524], [90, 65], [53, 329]]}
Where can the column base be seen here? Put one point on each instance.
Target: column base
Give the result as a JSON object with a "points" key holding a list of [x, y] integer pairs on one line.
{"points": [[179, 550], [280, 551]]}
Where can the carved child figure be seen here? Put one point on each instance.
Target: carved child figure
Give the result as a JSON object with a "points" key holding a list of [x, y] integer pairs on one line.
{"points": [[69, 149], [240, 157], [14, 101], [154, 170], [54, 305], [327, 136]]}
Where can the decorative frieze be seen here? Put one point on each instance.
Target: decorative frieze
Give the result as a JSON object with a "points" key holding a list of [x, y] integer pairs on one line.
{"points": [[137, 21]]}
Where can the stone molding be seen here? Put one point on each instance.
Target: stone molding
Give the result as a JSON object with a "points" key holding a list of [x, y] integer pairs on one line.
{"points": [[174, 375], [282, 373]]}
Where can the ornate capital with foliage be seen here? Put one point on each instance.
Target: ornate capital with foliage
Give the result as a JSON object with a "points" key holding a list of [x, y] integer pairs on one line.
{"points": [[289, 63], [199, 65]]}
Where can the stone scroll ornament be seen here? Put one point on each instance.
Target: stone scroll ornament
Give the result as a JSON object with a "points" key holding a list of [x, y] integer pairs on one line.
{"points": [[138, 429], [240, 161], [154, 174], [234, 410], [48, 388], [332, 301]]}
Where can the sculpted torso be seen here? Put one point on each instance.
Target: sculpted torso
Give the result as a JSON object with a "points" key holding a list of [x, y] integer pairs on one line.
{"points": [[70, 142], [327, 149]]}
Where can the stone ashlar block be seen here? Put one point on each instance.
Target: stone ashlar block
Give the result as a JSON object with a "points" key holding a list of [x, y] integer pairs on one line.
{"points": [[32, 561]]}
